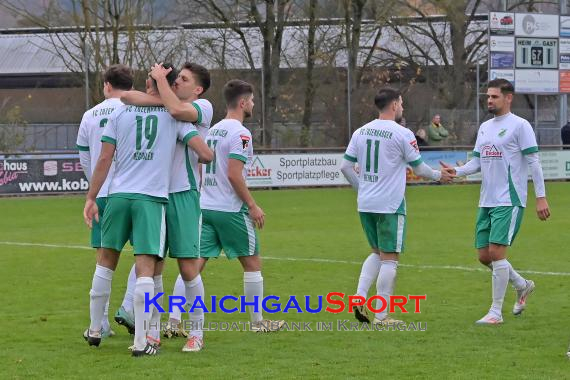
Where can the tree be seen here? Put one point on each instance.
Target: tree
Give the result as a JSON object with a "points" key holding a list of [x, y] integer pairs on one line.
{"points": [[99, 33], [309, 83], [269, 19], [12, 128]]}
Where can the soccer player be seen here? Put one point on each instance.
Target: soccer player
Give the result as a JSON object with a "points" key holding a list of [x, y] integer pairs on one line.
{"points": [[116, 80], [144, 139], [504, 151], [229, 212], [383, 149], [184, 103]]}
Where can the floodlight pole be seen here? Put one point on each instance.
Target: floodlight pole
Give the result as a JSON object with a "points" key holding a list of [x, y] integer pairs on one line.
{"points": [[477, 93], [536, 113], [263, 137], [348, 98], [86, 63]]}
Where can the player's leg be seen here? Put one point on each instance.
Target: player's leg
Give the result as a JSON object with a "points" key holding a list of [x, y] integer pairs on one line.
{"points": [[518, 281], [174, 326], [192, 264], [125, 314], [391, 234], [506, 222], [99, 294], [149, 235], [239, 240], [195, 299], [371, 266], [114, 226], [482, 237], [153, 336], [96, 236], [144, 289], [183, 225], [369, 272], [180, 223]]}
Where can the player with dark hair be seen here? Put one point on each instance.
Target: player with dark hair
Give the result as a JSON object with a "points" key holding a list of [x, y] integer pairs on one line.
{"points": [[504, 151]]}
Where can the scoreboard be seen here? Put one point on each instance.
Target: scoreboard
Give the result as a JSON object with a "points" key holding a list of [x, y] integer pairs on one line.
{"points": [[530, 50], [536, 53]]}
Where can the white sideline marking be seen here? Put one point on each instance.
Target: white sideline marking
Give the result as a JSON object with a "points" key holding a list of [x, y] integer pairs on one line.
{"points": [[314, 260]]}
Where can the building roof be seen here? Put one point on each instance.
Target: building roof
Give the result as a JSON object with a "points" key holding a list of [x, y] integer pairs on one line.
{"points": [[31, 52]]}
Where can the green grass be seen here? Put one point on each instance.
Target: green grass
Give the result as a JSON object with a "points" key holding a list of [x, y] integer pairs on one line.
{"points": [[44, 307]]}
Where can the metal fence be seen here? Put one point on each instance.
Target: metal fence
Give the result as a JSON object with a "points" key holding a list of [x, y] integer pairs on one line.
{"points": [[45, 138], [42, 137]]}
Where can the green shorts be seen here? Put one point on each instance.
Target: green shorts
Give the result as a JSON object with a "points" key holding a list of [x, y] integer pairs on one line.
{"points": [[96, 229], [386, 232], [497, 225], [231, 231], [183, 224], [141, 219]]}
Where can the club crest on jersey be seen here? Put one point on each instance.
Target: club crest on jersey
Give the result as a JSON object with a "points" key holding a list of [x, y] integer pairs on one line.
{"points": [[414, 145], [502, 132], [244, 141]]}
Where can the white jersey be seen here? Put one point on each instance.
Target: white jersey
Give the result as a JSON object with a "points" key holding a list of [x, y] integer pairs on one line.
{"points": [[145, 138], [205, 116], [230, 140], [184, 175], [501, 145], [90, 132], [382, 149]]}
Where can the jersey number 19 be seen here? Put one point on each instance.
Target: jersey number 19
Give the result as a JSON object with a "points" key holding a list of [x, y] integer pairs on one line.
{"points": [[150, 131]]}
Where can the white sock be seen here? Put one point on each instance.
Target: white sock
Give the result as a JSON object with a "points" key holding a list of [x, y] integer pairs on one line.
{"points": [[515, 278], [99, 295], [253, 286], [105, 325], [142, 319], [385, 285], [500, 282], [179, 291], [368, 273], [128, 300], [154, 327], [194, 289]]}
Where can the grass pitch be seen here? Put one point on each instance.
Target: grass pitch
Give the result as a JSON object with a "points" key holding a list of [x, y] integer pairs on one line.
{"points": [[45, 300]]}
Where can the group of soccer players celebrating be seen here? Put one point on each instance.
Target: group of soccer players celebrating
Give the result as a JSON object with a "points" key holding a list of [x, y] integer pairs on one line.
{"points": [[163, 179]]}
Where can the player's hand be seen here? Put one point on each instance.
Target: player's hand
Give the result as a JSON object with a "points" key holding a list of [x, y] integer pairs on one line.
{"points": [[446, 176], [447, 168], [158, 71], [257, 216], [542, 209], [90, 211]]}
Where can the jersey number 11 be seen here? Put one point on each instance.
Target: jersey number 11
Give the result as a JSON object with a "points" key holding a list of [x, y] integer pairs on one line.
{"points": [[369, 155]]}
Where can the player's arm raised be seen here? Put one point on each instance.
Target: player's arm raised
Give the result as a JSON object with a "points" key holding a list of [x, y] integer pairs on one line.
{"points": [[139, 98], [235, 176], [99, 175], [178, 109]]}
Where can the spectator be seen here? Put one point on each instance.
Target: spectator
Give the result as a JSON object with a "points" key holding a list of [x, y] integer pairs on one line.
{"points": [[421, 137], [437, 133], [565, 134]]}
